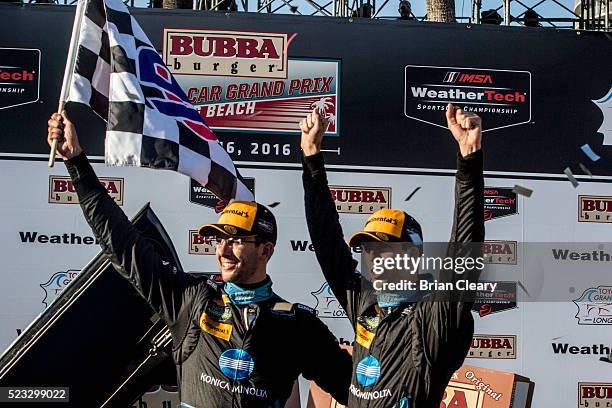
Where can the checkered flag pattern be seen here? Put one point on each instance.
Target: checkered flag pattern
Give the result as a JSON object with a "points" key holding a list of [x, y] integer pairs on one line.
{"points": [[150, 121]]}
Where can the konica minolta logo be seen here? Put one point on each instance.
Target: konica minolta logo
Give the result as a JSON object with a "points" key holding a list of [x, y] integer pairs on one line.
{"points": [[236, 364], [501, 97], [368, 371]]}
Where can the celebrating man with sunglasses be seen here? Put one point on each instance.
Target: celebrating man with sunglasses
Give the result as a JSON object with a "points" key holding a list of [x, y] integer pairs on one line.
{"points": [[406, 350], [236, 343]]}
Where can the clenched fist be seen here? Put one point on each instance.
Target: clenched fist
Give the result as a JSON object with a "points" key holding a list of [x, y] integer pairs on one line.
{"points": [[466, 128], [61, 129], [313, 128]]}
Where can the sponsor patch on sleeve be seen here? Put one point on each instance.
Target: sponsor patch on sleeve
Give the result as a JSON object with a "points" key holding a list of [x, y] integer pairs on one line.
{"points": [[212, 284], [306, 308], [283, 309]]}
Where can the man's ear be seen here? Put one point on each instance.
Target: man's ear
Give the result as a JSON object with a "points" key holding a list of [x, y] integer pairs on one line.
{"points": [[268, 250]]}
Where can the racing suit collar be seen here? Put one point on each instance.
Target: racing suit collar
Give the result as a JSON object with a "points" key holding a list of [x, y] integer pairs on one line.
{"points": [[249, 294]]}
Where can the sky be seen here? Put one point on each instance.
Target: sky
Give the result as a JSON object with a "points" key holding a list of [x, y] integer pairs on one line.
{"points": [[546, 8]]}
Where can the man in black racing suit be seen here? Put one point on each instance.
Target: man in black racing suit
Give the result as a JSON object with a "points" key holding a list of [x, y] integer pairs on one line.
{"points": [[405, 352], [236, 343]]}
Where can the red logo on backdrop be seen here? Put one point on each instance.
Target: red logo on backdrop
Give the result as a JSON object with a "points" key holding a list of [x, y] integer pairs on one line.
{"points": [[360, 200], [485, 310], [499, 252], [594, 394], [499, 202], [222, 47], [501, 97], [595, 209], [469, 78], [226, 53], [502, 299], [198, 245], [19, 76], [62, 191], [493, 346]]}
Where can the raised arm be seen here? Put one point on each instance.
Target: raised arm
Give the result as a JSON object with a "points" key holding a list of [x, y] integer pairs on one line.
{"points": [[333, 254], [448, 324], [468, 218], [162, 285]]}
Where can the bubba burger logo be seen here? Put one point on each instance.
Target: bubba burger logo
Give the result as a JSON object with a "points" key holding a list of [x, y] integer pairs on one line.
{"points": [[595, 209], [198, 245], [225, 53], [499, 252], [493, 346], [62, 191], [360, 200], [595, 395]]}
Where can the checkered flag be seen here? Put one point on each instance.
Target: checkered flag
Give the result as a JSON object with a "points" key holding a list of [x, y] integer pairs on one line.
{"points": [[150, 121]]}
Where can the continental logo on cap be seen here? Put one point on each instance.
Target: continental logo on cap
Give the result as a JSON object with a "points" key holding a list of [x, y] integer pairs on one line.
{"points": [[493, 346], [499, 252], [220, 330], [393, 221], [236, 212], [360, 200], [594, 394], [387, 222], [62, 191], [239, 214], [230, 229], [198, 245]]}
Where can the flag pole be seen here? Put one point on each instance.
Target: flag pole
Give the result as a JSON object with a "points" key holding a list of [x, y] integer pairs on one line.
{"points": [[70, 61]]}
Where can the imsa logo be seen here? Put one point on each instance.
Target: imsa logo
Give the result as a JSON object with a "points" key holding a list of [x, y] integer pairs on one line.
{"points": [[61, 190], [198, 245], [595, 395], [493, 346], [499, 252], [360, 200]]}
